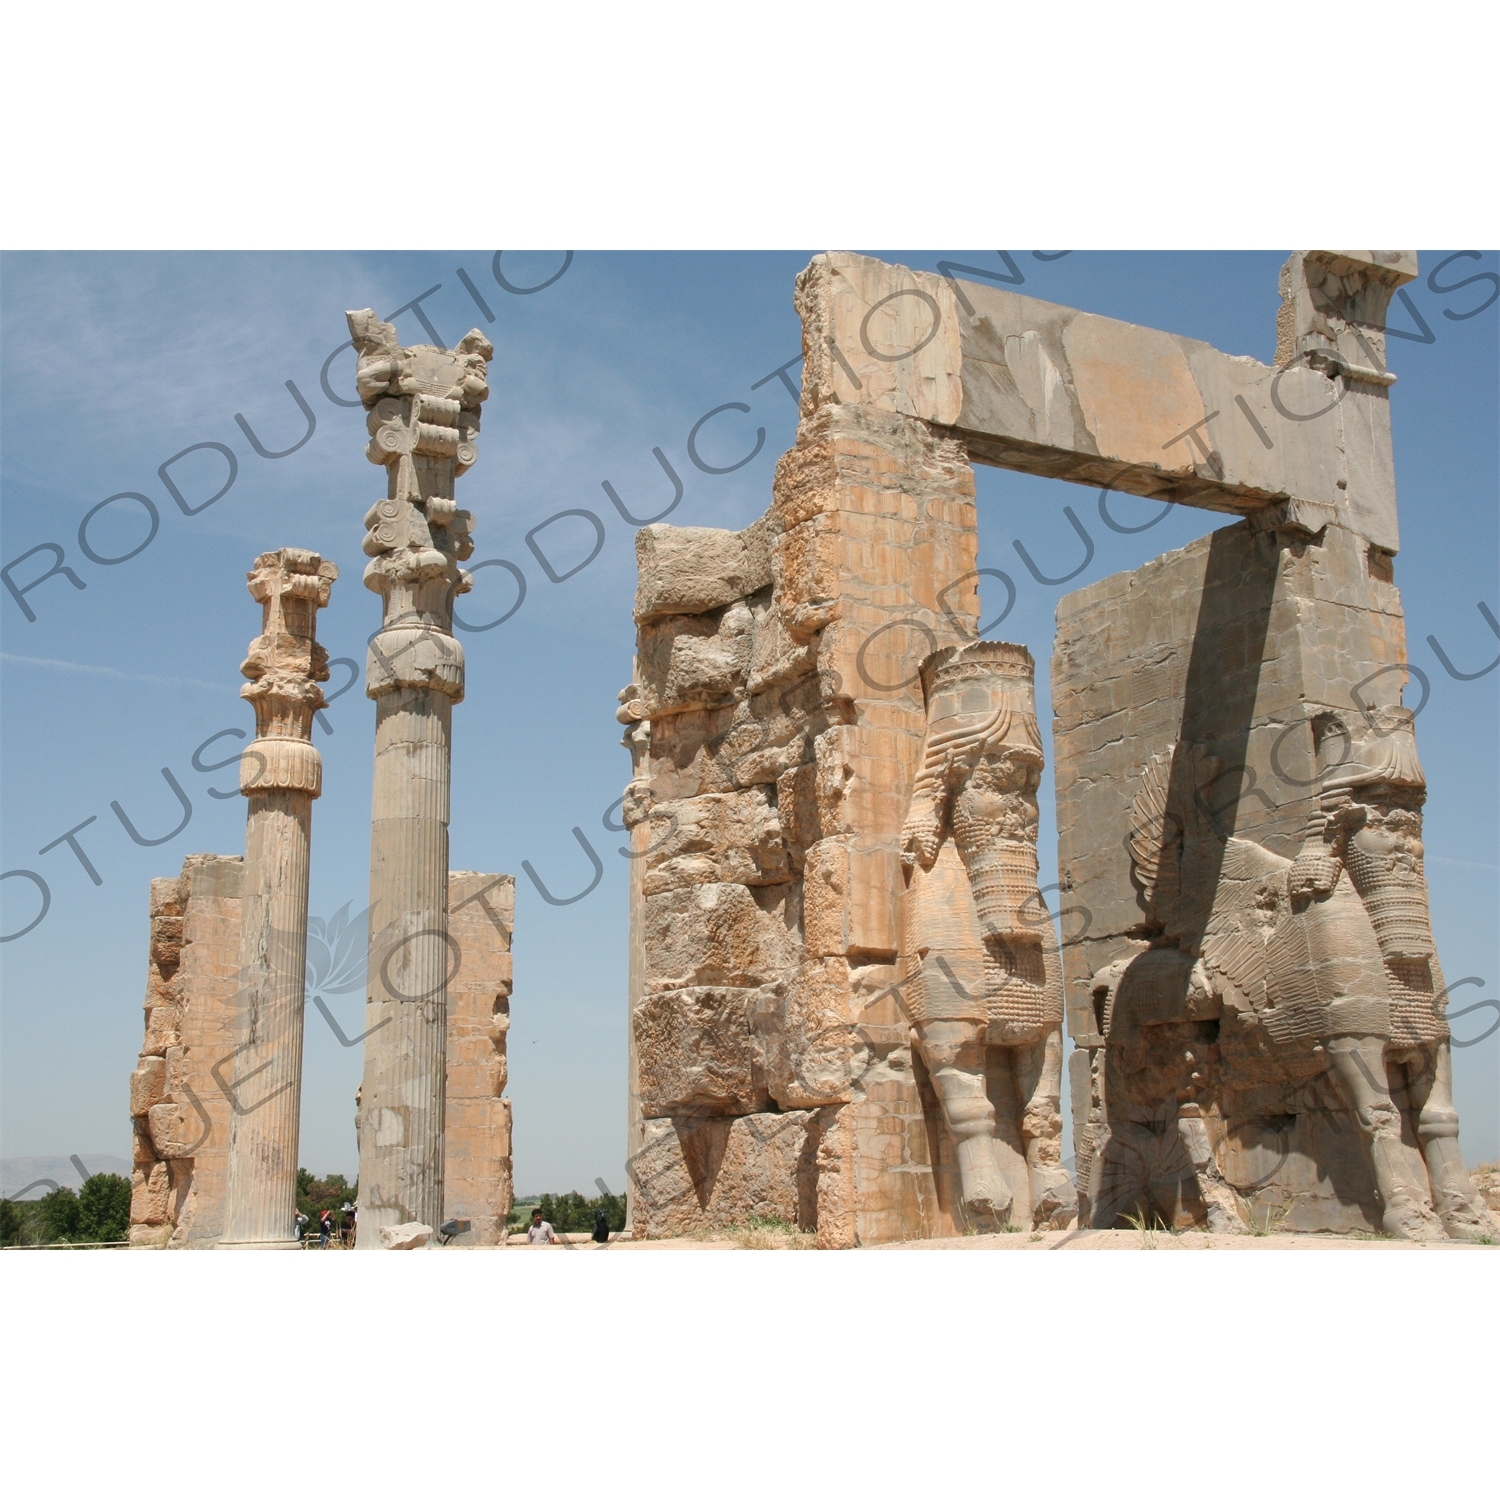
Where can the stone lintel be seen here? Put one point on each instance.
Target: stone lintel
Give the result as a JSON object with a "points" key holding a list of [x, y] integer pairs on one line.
{"points": [[1049, 390]]}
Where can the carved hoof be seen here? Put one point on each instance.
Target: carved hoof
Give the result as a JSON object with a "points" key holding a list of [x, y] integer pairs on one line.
{"points": [[1467, 1219], [1406, 1219], [989, 1200], [987, 1213], [1054, 1200]]}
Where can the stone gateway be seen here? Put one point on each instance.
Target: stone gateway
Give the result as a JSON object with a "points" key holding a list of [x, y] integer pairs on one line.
{"points": [[845, 990]]}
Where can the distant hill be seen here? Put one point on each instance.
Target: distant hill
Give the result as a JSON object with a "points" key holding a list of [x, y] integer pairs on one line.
{"points": [[18, 1172]]}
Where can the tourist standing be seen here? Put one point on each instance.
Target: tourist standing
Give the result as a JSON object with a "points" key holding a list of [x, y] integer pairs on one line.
{"points": [[541, 1232]]}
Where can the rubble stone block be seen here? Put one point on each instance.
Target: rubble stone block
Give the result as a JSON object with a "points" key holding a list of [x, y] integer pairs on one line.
{"points": [[405, 1236], [695, 1053], [696, 1175], [166, 941], [716, 934], [690, 570], [734, 837], [176, 1130], [162, 1029], [150, 1194], [849, 899], [148, 1085], [806, 1035], [693, 662]]}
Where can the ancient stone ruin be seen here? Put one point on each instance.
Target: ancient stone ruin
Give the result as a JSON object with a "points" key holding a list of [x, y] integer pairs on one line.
{"points": [[216, 1095], [845, 990], [179, 1112], [182, 1108]]}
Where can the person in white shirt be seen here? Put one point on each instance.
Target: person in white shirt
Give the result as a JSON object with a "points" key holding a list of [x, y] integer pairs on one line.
{"points": [[541, 1232]]}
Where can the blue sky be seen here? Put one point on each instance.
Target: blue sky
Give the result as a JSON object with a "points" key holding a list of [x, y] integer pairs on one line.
{"points": [[110, 364]]}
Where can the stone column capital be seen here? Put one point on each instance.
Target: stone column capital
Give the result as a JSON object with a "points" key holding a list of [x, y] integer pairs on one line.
{"points": [[285, 663]]}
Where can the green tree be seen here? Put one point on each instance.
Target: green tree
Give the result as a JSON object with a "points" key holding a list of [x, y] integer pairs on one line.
{"points": [[104, 1208], [11, 1221], [314, 1194], [572, 1213], [58, 1217]]}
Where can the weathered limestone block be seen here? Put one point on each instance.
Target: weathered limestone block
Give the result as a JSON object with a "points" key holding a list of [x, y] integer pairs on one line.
{"points": [[797, 812], [142, 1151], [838, 1202], [717, 934], [695, 1053], [697, 1175], [148, 1084], [750, 743], [780, 661], [163, 1024], [734, 837], [685, 755], [686, 662], [849, 900], [150, 1195], [410, 1236], [689, 570], [166, 940], [806, 1035], [805, 570], [176, 1130]]}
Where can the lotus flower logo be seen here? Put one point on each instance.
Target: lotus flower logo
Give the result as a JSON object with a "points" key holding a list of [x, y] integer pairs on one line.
{"points": [[337, 952], [337, 955]]}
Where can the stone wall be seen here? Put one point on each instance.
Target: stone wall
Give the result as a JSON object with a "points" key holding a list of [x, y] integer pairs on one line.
{"points": [[1237, 643], [180, 1105], [1229, 739], [179, 1110], [477, 1181], [778, 721]]}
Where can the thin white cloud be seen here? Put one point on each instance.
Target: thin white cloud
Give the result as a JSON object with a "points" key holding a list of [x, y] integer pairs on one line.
{"points": [[75, 666]]}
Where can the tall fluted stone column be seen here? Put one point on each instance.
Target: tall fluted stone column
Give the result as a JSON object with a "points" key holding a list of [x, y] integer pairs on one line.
{"points": [[423, 406], [280, 774]]}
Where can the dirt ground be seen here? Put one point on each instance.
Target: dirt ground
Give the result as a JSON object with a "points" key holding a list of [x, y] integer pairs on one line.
{"points": [[1067, 1239], [1486, 1178]]}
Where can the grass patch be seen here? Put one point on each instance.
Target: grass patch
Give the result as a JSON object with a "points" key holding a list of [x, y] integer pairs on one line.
{"points": [[770, 1232], [1146, 1224]]}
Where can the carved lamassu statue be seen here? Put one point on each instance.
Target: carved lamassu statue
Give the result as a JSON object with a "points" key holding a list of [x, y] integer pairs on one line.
{"points": [[1313, 980], [979, 970]]}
